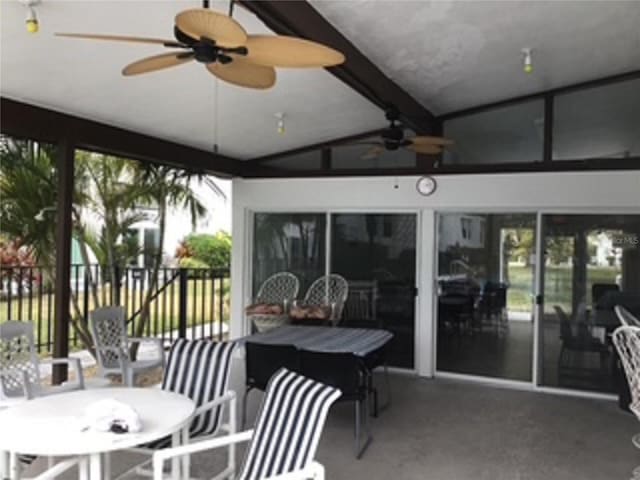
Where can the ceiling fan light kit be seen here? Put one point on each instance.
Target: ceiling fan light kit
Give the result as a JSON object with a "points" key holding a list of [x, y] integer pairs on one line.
{"points": [[226, 50]]}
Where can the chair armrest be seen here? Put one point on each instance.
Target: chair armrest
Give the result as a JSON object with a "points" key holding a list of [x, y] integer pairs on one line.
{"points": [[76, 365], [160, 456], [229, 396], [157, 341]]}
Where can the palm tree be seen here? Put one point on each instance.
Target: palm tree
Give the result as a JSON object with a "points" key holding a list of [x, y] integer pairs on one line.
{"points": [[163, 187]]}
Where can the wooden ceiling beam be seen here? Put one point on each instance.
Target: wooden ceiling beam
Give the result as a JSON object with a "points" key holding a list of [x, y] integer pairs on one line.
{"points": [[24, 120], [300, 19]]}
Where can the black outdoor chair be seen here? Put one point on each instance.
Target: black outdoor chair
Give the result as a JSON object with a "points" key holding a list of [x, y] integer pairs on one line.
{"points": [[577, 345], [346, 372], [262, 361]]}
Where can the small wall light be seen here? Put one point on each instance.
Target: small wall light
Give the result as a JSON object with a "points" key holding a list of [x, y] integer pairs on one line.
{"points": [[32, 19], [280, 117], [527, 60]]}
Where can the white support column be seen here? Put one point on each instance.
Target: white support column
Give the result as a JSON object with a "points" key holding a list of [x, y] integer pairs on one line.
{"points": [[425, 312]]}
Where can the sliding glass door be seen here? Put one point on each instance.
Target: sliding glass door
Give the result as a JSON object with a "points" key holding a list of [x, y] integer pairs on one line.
{"points": [[591, 264], [485, 278], [375, 253]]}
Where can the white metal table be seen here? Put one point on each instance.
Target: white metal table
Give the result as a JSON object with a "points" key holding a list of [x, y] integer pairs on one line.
{"points": [[53, 426]]}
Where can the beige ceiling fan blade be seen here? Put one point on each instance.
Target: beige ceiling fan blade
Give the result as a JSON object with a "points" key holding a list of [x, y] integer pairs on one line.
{"points": [[243, 73], [117, 38], [202, 22], [283, 51], [373, 152], [429, 140], [426, 149], [157, 62]]}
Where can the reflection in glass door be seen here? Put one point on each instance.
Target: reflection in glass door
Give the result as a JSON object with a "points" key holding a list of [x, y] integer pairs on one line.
{"points": [[376, 253], [486, 265], [591, 264]]}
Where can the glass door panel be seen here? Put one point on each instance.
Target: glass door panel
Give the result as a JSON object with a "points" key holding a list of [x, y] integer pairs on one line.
{"points": [[591, 264], [376, 253], [289, 242], [486, 265]]}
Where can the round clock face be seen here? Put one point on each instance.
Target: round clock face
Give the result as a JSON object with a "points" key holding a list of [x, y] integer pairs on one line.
{"points": [[426, 185]]}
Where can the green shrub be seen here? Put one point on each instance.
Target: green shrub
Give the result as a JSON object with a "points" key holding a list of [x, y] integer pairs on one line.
{"points": [[191, 262], [213, 251]]}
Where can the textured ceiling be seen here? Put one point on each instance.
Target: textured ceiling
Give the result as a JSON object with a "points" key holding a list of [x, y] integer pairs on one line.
{"points": [[453, 55], [83, 78]]}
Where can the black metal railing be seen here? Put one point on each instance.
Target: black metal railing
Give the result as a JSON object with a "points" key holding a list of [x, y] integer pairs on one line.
{"points": [[184, 302]]}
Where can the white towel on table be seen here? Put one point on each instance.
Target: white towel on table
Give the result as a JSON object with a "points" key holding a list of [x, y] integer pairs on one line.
{"points": [[103, 414]]}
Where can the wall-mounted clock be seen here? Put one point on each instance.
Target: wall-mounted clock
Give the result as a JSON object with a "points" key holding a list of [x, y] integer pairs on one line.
{"points": [[426, 185]]}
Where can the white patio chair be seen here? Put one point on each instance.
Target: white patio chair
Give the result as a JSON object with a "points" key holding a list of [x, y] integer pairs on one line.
{"points": [[626, 318], [20, 377], [20, 365], [281, 288], [627, 341], [112, 345], [331, 290], [284, 442], [200, 370]]}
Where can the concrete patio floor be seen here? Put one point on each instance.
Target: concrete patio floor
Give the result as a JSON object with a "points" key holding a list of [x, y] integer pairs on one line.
{"points": [[446, 430]]}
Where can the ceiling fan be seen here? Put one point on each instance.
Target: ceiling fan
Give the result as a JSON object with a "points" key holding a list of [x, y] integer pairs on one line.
{"points": [[393, 137], [226, 50]]}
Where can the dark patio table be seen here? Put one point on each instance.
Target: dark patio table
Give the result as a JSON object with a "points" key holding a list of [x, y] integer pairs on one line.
{"points": [[360, 341]]}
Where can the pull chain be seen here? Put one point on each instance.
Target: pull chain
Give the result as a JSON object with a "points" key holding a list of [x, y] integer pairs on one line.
{"points": [[216, 116]]}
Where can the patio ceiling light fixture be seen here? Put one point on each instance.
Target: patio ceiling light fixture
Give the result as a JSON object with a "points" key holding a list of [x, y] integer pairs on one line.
{"points": [[527, 60], [226, 50], [32, 19], [280, 117]]}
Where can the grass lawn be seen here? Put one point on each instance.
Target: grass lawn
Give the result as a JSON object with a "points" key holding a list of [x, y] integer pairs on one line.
{"points": [[203, 307], [558, 285]]}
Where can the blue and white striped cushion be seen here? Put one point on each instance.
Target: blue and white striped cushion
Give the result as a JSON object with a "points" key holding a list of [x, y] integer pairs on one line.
{"points": [[200, 370], [288, 426]]}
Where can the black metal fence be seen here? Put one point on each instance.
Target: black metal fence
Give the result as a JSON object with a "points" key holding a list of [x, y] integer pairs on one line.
{"points": [[184, 302]]}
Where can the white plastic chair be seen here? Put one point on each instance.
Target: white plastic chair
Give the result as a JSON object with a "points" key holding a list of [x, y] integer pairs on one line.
{"points": [[626, 317], [112, 345], [331, 290], [284, 442], [20, 365], [627, 341]]}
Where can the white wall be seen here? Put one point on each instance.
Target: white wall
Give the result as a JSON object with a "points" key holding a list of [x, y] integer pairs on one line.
{"points": [[583, 191]]}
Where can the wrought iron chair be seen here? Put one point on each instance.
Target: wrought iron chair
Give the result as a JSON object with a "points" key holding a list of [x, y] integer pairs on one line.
{"points": [[112, 345], [281, 288], [626, 318], [627, 341], [20, 365], [331, 290], [200, 369], [284, 442]]}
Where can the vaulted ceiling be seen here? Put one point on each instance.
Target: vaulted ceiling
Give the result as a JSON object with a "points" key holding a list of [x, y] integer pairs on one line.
{"points": [[447, 55], [452, 55]]}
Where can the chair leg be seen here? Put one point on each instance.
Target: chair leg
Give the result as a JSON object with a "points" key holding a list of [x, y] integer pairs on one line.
{"points": [[360, 447], [244, 407]]}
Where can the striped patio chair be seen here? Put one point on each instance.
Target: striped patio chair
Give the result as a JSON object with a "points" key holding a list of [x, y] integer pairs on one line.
{"points": [[200, 370], [284, 442]]}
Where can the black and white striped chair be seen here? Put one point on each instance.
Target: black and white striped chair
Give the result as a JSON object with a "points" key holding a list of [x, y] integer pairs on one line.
{"points": [[284, 442], [200, 370]]}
